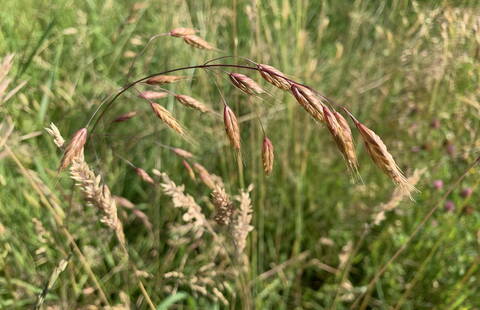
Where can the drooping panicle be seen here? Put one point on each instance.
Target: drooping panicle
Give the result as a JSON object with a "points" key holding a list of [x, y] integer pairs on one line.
{"points": [[267, 155], [167, 117], [74, 148], [309, 101], [245, 84], [274, 76], [192, 103], [231, 127]]}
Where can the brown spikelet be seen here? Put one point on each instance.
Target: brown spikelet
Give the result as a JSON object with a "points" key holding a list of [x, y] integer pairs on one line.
{"points": [[231, 127], [309, 101], [182, 152], [223, 206], [150, 95], [205, 176], [267, 155], [192, 103], [274, 76], [342, 135], [144, 175], [167, 117], [74, 148], [125, 116], [382, 158], [181, 32], [165, 79], [198, 42], [189, 169], [245, 84]]}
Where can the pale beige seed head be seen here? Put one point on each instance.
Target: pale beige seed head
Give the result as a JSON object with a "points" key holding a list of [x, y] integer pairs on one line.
{"points": [[309, 101], [223, 206], [198, 42], [274, 76], [125, 116], [192, 103], [342, 135], [55, 133], [382, 157], [144, 175], [74, 148], [231, 127], [150, 95], [181, 32], [245, 84], [167, 118], [182, 152], [267, 155], [205, 176], [165, 79], [189, 169]]}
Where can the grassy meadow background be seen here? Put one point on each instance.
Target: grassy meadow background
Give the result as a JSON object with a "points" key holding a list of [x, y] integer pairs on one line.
{"points": [[409, 70]]}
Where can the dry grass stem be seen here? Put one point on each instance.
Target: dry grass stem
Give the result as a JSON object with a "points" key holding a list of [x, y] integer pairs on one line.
{"points": [[274, 76], [57, 136], [192, 103], [167, 118], [125, 117], [97, 195], [245, 84], [231, 127], [74, 148], [165, 79], [198, 42], [267, 155], [309, 101]]}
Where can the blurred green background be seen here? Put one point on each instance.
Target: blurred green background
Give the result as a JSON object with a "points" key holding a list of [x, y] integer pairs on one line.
{"points": [[409, 70]]}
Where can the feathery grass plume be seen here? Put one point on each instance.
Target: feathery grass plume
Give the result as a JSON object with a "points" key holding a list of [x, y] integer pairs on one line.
{"points": [[150, 95], [193, 212], [381, 157], [165, 79], [182, 153], [309, 101], [74, 148], [223, 206], [245, 84], [274, 76], [231, 127], [167, 117], [144, 175], [189, 169], [97, 195], [192, 103], [342, 135], [181, 32], [125, 117], [242, 222], [267, 155], [198, 42], [57, 136], [205, 176]]}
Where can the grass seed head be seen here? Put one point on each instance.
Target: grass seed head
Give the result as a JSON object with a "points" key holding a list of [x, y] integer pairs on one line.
{"points": [[267, 155], [192, 103], [144, 175], [165, 79], [309, 101], [55, 133], [189, 169], [274, 76], [181, 32], [223, 206], [205, 176], [182, 152], [198, 42], [125, 116], [231, 127], [167, 118], [150, 95], [245, 84], [74, 148]]}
